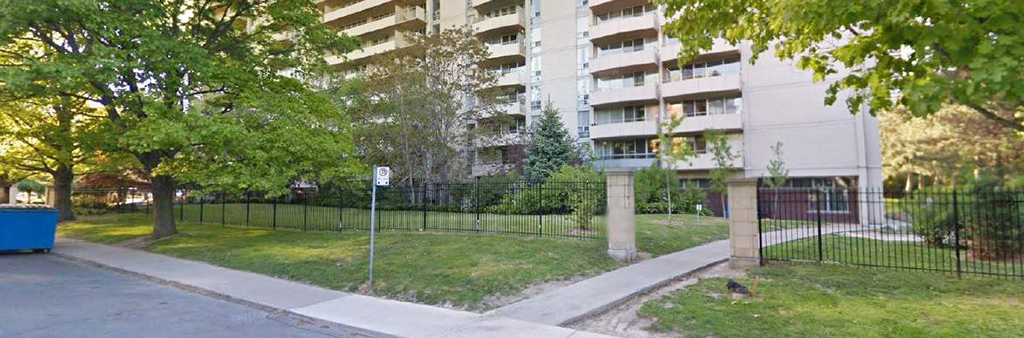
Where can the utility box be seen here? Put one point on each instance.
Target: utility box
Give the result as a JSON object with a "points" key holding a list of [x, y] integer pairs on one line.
{"points": [[27, 227]]}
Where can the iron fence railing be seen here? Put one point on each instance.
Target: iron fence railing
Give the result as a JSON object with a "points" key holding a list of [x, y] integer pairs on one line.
{"points": [[978, 232], [562, 209]]}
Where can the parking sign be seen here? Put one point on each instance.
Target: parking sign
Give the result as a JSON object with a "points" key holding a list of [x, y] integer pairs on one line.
{"points": [[383, 176]]}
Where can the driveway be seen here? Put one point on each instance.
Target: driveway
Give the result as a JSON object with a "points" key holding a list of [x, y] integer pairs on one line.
{"points": [[46, 296]]}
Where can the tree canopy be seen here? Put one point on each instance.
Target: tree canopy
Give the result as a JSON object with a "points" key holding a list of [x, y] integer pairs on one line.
{"points": [[207, 92], [888, 53]]}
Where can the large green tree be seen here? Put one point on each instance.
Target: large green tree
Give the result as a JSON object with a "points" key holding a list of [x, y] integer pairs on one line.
{"points": [[550, 146], [53, 136], [431, 90], [206, 92], [917, 54]]}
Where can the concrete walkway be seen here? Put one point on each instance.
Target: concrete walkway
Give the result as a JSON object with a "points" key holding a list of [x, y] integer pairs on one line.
{"points": [[595, 295], [379, 316]]}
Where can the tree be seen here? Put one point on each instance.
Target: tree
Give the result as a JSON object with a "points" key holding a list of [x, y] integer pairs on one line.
{"points": [[430, 90], [29, 186], [723, 156], [550, 146], [778, 174], [938, 149], [54, 136], [670, 152], [887, 53], [208, 92]]}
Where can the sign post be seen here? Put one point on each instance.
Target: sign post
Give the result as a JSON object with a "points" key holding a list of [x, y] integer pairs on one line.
{"points": [[381, 177], [700, 207]]}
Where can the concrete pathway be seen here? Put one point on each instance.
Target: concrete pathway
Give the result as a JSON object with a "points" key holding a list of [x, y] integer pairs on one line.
{"points": [[595, 295], [373, 315]]}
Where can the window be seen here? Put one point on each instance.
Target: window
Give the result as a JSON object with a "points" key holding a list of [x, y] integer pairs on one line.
{"points": [[828, 194], [703, 107], [720, 67], [627, 46], [623, 149], [625, 81], [621, 115], [625, 13]]}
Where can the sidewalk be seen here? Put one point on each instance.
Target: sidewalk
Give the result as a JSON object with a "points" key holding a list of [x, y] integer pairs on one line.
{"points": [[394, 318], [595, 295]]}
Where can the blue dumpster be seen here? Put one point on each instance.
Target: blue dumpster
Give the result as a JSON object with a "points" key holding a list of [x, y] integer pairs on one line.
{"points": [[27, 227]]}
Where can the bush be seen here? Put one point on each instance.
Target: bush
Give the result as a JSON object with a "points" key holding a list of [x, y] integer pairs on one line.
{"points": [[934, 223], [89, 202], [996, 228]]}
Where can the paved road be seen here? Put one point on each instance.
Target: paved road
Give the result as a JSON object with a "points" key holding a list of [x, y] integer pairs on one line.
{"points": [[46, 296]]}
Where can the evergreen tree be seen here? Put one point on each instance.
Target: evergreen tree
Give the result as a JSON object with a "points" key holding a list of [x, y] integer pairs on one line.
{"points": [[550, 146]]}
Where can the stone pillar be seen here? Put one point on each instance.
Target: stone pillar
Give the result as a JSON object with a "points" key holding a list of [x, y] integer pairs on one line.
{"points": [[743, 232], [621, 220]]}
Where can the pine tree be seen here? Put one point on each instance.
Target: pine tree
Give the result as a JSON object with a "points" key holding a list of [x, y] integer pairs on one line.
{"points": [[550, 146]]}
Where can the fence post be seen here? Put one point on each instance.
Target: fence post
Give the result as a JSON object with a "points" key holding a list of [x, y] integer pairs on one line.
{"points": [[760, 228], [201, 198], [273, 221], [818, 213], [424, 203], [305, 211], [621, 214], [247, 208], [341, 208], [181, 208], [744, 234], [540, 208], [956, 235], [477, 204], [223, 208]]}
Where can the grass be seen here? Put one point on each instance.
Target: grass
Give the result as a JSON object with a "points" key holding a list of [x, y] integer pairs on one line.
{"points": [[813, 300], [865, 251], [458, 269]]}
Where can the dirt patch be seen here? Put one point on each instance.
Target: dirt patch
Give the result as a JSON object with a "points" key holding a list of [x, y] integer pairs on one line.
{"points": [[493, 302], [139, 243], [623, 321]]}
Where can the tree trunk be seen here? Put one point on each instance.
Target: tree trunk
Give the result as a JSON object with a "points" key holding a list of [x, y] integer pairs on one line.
{"points": [[909, 185], [62, 180], [163, 207], [5, 193]]}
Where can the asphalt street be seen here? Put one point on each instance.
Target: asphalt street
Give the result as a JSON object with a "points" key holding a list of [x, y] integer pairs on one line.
{"points": [[42, 295]]}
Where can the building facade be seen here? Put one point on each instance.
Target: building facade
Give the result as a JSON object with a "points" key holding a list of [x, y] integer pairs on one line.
{"points": [[614, 76]]}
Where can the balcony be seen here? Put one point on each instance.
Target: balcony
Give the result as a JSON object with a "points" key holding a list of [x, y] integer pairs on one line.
{"points": [[516, 21], [671, 49], [359, 56], [605, 63], [513, 78], [706, 161], [638, 162], [695, 124], [517, 50], [616, 130], [624, 95], [342, 12], [492, 169], [502, 140], [689, 87], [478, 3], [644, 25], [402, 16]]}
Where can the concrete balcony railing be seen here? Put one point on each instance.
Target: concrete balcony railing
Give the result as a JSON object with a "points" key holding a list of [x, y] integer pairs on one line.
{"points": [[706, 161], [671, 49], [713, 84], [647, 22], [502, 140], [696, 124], [615, 130], [513, 78], [624, 95], [491, 169], [478, 3], [399, 41], [606, 63], [401, 16], [507, 50], [337, 13], [516, 20], [624, 163]]}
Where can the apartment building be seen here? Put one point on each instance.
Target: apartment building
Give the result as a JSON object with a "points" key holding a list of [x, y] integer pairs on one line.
{"points": [[614, 76]]}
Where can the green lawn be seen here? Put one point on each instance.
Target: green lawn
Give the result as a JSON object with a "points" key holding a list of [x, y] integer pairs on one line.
{"points": [[864, 251], [461, 269], [813, 300]]}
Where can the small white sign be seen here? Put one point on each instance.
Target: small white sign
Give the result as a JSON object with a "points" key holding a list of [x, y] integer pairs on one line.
{"points": [[382, 176], [700, 207]]}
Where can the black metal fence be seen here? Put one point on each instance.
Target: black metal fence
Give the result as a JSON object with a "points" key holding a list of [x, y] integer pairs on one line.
{"points": [[563, 209], [977, 232]]}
